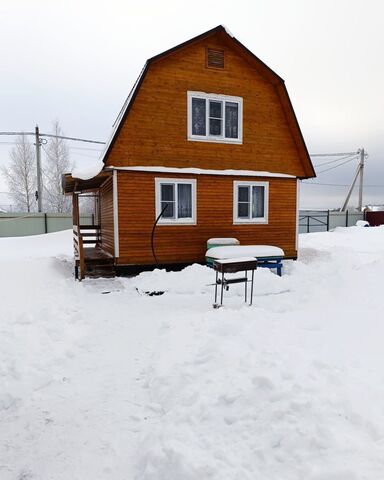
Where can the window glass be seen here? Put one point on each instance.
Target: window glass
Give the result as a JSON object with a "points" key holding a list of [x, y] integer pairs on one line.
{"points": [[168, 199], [243, 194], [198, 116], [215, 109], [243, 210], [257, 201], [231, 120], [215, 117], [243, 202], [184, 200]]}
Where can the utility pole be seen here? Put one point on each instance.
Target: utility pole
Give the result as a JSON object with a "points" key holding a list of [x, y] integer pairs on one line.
{"points": [[39, 192], [360, 175], [361, 168]]}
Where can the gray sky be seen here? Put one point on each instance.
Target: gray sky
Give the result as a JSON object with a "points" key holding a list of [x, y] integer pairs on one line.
{"points": [[76, 61]]}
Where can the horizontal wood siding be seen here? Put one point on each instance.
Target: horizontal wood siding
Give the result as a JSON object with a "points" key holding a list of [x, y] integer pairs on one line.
{"points": [[106, 217], [187, 243], [155, 130]]}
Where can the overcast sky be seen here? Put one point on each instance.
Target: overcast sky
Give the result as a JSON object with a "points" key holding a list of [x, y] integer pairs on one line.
{"points": [[76, 61]]}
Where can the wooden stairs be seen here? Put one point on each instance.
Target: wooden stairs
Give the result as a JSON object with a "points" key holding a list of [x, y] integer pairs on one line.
{"points": [[90, 259], [98, 263]]}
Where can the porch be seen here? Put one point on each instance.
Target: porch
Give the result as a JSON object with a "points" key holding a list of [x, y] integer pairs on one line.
{"points": [[93, 252]]}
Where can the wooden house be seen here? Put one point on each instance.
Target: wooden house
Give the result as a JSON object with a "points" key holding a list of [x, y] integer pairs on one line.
{"points": [[207, 136]]}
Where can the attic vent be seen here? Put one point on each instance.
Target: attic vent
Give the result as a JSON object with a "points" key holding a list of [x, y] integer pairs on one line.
{"points": [[215, 58]]}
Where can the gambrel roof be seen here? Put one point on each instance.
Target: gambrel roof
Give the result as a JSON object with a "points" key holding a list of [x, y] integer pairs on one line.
{"points": [[261, 68]]}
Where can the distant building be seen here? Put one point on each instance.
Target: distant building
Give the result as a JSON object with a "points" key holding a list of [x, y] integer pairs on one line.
{"points": [[374, 215]]}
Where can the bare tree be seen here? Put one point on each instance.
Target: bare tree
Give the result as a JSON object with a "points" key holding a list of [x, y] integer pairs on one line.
{"points": [[56, 163], [20, 174]]}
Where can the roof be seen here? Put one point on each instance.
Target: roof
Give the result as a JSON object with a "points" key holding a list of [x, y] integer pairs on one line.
{"points": [[266, 71], [72, 184]]}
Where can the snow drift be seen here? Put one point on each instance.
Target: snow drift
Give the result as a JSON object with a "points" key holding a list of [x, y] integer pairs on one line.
{"points": [[102, 381]]}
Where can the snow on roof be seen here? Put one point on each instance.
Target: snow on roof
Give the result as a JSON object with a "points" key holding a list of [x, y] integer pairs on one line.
{"points": [[375, 208], [203, 171], [228, 31], [85, 172], [126, 104]]}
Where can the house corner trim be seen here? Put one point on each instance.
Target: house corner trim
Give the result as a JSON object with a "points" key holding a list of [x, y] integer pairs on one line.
{"points": [[115, 214]]}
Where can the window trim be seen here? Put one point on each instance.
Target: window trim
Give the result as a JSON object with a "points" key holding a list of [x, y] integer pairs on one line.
{"points": [[175, 181], [247, 221], [218, 98]]}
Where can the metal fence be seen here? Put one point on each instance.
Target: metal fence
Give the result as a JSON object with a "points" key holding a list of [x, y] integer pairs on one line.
{"points": [[23, 224], [325, 220]]}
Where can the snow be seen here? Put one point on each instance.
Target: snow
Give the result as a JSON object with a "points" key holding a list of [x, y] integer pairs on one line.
{"points": [[237, 251], [237, 260], [121, 114], [89, 170], [362, 223], [223, 241], [203, 171], [228, 31], [99, 380]]}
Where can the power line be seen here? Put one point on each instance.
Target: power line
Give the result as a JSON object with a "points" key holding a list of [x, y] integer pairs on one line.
{"points": [[75, 139], [341, 184], [86, 148], [88, 156], [336, 166], [70, 148], [332, 154], [80, 154], [333, 161]]}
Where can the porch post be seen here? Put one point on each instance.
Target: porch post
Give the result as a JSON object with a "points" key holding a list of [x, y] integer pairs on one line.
{"points": [[75, 209]]}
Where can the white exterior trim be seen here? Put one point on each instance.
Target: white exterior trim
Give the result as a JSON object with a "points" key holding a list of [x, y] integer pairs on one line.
{"points": [[298, 183], [175, 221], [115, 214], [214, 138], [247, 221], [202, 171]]}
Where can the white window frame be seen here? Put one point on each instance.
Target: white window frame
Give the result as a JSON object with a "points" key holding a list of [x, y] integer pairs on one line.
{"points": [[175, 181], [259, 220], [218, 98]]}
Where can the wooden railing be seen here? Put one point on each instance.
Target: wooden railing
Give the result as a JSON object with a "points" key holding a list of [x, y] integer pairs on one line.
{"points": [[84, 235]]}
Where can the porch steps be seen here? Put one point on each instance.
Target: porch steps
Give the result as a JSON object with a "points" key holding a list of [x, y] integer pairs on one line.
{"points": [[97, 270], [98, 263]]}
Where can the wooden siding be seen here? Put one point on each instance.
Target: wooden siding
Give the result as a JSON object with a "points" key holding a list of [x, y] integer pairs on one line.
{"points": [[155, 130], [106, 217], [187, 243]]}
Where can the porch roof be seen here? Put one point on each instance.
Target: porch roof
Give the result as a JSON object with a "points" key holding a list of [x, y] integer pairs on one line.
{"points": [[77, 185]]}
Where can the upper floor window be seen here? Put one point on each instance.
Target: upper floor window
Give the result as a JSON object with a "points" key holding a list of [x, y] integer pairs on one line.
{"points": [[215, 118]]}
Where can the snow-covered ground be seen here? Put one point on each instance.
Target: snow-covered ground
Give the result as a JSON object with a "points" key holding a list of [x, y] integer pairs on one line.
{"points": [[100, 381]]}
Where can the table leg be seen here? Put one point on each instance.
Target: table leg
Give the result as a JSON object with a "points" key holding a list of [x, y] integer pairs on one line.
{"points": [[279, 266], [222, 288], [246, 286], [217, 278], [253, 276]]}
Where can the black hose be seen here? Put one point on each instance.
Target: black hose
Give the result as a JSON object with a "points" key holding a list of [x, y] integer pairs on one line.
{"points": [[153, 234]]}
